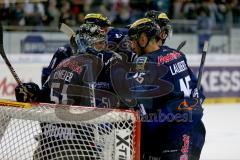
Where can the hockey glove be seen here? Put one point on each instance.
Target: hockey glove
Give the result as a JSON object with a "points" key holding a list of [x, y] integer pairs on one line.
{"points": [[196, 94], [26, 92]]}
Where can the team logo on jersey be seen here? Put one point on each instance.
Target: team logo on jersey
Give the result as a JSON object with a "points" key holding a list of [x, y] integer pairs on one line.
{"points": [[71, 63], [169, 57], [187, 105], [140, 63], [139, 80]]}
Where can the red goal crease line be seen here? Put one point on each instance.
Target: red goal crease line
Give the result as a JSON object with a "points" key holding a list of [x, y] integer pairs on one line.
{"points": [[15, 104], [10, 103]]}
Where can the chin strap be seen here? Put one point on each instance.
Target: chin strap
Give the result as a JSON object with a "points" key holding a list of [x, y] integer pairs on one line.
{"points": [[163, 41], [142, 48]]}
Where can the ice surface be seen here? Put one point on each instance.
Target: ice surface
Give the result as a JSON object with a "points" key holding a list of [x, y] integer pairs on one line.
{"points": [[222, 122]]}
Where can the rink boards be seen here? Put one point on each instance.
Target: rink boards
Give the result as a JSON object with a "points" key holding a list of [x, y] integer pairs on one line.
{"points": [[221, 78]]}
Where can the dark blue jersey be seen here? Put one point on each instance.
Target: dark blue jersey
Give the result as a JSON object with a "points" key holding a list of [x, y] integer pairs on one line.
{"points": [[179, 75], [165, 119], [102, 82], [61, 54], [118, 41]]}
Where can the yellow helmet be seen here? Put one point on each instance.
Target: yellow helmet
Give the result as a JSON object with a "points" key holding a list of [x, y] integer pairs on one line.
{"points": [[98, 19], [161, 19], [145, 25]]}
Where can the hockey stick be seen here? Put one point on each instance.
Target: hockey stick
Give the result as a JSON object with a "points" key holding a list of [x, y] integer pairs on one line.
{"points": [[2, 52], [181, 45], [67, 30], [14, 74], [71, 34], [200, 71], [5, 121]]}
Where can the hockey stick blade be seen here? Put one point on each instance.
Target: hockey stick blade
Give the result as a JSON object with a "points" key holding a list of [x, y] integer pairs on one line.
{"points": [[181, 45], [200, 72], [2, 52], [67, 30]]}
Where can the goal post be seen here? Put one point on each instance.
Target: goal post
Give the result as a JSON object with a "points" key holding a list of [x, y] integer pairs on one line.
{"points": [[49, 131]]}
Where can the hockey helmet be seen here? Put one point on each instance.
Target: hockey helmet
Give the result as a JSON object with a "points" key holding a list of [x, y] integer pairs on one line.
{"points": [[152, 14], [118, 40], [145, 25], [161, 19], [164, 22], [98, 19], [88, 35]]}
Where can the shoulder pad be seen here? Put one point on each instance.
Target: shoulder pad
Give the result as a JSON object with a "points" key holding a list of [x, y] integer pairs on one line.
{"points": [[63, 51], [117, 34]]}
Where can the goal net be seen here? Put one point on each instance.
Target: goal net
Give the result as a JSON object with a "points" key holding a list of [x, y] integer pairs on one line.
{"points": [[61, 132]]}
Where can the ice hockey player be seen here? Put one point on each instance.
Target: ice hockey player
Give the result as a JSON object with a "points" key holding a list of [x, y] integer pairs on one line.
{"points": [[90, 39], [117, 40], [60, 54], [67, 84], [171, 124], [163, 21], [67, 50]]}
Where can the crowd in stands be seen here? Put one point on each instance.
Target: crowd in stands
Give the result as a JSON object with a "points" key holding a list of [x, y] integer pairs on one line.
{"points": [[208, 13]]}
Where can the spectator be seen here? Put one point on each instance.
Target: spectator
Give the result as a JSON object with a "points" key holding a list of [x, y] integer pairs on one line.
{"points": [[221, 16], [235, 5], [66, 14], [4, 12], [138, 8], [53, 13], [17, 15], [189, 10], [177, 5], [205, 26], [122, 10], [34, 14]]}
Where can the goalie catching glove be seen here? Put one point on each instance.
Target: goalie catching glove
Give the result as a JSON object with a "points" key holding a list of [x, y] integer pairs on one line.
{"points": [[27, 92]]}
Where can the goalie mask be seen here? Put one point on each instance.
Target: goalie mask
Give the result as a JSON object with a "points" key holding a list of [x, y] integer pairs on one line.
{"points": [[90, 36], [98, 19]]}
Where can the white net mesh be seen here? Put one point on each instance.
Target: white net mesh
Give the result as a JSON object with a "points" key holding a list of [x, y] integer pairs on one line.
{"points": [[46, 132]]}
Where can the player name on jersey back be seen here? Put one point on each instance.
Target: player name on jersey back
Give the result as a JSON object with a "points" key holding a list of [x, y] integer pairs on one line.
{"points": [[64, 75], [178, 67]]}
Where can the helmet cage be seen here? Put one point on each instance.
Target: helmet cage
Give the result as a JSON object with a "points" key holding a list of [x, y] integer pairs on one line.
{"points": [[88, 35]]}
